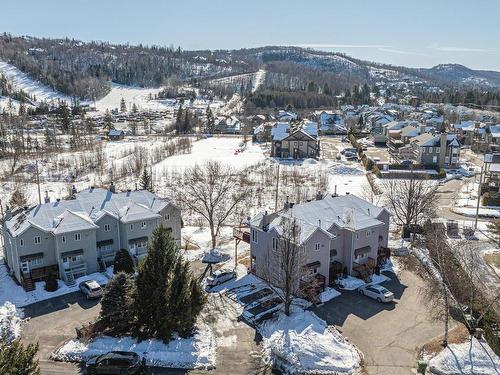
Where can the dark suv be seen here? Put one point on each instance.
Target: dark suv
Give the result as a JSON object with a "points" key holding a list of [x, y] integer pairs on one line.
{"points": [[120, 363]]}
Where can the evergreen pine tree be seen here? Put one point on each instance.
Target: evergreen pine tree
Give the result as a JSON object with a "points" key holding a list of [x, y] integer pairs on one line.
{"points": [[145, 182], [16, 359], [210, 121], [123, 106], [123, 262], [108, 121], [154, 275], [116, 305], [178, 120], [134, 108]]}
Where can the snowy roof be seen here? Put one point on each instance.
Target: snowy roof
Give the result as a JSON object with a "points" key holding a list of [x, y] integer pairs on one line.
{"points": [[495, 131], [115, 132], [88, 207], [280, 131], [348, 211], [433, 140]]}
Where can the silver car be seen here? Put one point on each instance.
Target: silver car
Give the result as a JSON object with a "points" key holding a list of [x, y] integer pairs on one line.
{"points": [[91, 289], [376, 292], [220, 276]]}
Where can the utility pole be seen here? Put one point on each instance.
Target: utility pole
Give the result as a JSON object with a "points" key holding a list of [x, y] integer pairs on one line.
{"points": [[277, 186], [38, 183]]}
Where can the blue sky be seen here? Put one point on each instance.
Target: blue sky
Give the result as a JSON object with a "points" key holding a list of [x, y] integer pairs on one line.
{"points": [[419, 33]]}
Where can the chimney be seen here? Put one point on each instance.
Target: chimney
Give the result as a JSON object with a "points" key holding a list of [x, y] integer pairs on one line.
{"points": [[335, 191], [58, 199], [319, 196], [135, 186], [74, 191], [286, 206], [319, 223], [112, 187], [421, 129], [46, 199]]}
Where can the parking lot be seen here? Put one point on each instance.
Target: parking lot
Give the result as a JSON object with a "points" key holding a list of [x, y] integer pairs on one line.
{"points": [[389, 335]]}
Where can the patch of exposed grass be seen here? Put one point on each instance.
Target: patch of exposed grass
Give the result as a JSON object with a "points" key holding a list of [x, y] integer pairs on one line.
{"points": [[493, 259], [456, 335]]}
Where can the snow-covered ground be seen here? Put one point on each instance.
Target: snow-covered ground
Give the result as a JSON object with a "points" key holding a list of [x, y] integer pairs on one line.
{"points": [[469, 358], [197, 352], [22, 81], [10, 322], [14, 293], [302, 343], [132, 95]]}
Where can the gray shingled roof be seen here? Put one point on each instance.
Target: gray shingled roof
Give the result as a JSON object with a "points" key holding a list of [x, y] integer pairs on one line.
{"points": [[88, 207]]}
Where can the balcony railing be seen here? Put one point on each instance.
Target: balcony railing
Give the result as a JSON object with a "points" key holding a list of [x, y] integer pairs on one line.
{"points": [[75, 265]]}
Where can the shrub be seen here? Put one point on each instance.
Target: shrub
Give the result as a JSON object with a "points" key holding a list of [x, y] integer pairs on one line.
{"points": [[376, 171], [51, 283], [123, 262], [369, 164]]}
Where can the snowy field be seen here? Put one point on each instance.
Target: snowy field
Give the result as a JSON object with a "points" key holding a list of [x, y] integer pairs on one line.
{"points": [[197, 352], [21, 81]]}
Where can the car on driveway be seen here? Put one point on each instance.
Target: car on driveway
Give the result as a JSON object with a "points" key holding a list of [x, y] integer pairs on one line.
{"points": [[220, 276], [376, 292], [116, 363], [91, 289]]}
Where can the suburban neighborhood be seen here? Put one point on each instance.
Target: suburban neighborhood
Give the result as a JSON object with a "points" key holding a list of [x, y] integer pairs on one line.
{"points": [[263, 210]]}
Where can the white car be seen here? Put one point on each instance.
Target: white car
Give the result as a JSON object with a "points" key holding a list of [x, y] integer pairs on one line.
{"points": [[91, 289], [376, 292], [220, 276]]}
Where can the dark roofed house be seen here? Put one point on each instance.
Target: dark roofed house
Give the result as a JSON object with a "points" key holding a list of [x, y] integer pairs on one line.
{"points": [[116, 135]]}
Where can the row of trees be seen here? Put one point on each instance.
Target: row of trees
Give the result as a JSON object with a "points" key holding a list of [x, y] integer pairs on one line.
{"points": [[164, 298]]}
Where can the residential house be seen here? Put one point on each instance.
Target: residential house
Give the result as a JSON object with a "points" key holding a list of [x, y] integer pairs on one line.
{"points": [[227, 125], [79, 236], [297, 141], [285, 116], [335, 234], [439, 150], [331, 122], [116, 135]]}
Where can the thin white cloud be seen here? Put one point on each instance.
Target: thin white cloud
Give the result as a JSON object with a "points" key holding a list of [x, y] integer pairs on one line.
{"points": [[462, 49], [312, 45], [401, 52]]}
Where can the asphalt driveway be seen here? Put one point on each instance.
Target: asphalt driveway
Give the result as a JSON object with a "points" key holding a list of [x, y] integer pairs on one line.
{"points": [[389, 335]]}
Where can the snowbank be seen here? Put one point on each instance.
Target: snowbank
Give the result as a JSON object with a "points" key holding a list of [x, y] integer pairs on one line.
{"points": [[302, 343], [471, 212], [10, 322], [470, 358], [328, 294], [350, 283], [197, 352]]}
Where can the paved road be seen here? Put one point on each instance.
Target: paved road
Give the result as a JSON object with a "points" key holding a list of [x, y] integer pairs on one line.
{"points": [[389, 335]]}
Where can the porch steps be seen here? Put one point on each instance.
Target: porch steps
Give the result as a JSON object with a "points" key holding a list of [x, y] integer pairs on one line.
{"points": [[29, 285], [70, 280]]}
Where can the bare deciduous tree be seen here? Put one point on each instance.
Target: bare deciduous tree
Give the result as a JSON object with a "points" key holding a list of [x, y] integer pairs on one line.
{"points": [[213, 191], [285, 261], [411, 200]]}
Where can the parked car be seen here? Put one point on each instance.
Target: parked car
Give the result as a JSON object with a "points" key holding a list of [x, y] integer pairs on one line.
{"points": [[376, 292], [220, 276], [116, 363], [91, 289]]}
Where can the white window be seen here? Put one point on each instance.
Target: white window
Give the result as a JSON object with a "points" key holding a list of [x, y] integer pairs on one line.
{"points": [[275, 243], [78, 236], [37, 240], [131, 226], [368, 233], [107, 227], [317, 246], [254, 236], [21, 242], [143, 225], [63, 239], [438, 150], [36, 262]]}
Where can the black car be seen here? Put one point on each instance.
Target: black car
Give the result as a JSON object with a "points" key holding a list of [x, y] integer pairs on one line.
{"points": [[119, 363]]}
